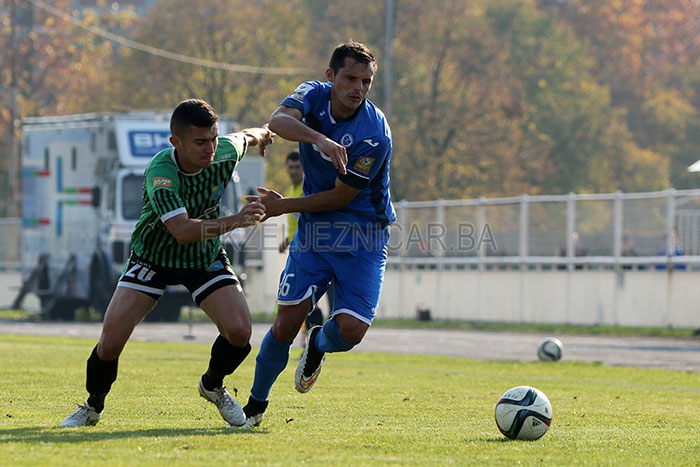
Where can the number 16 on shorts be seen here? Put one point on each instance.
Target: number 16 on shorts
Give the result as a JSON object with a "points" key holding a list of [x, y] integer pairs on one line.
{"points": [[284, 285]]}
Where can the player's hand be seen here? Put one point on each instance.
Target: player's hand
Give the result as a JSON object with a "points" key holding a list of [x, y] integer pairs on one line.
{"points": [[270, 199], [260, 137], [266, 139], [251, 214], [336, 152]]}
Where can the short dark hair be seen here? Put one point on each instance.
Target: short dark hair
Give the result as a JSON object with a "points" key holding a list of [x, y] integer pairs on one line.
{"points": [[292, 156], [192, 112], [355, 50]]}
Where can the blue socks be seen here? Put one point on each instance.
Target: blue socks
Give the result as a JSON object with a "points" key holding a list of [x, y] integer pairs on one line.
{"points": [[329, 340], [270, 362], [274, 355]]}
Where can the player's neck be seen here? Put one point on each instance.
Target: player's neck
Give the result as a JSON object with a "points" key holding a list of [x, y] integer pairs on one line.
{"points": [[339, 111], [183, 166]]}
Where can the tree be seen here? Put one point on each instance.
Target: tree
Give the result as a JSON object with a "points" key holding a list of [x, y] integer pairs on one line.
{"points": [[645, 52], [225, 31], [48, 66]]}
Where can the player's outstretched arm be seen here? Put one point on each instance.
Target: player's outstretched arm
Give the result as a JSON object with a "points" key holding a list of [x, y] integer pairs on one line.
{"points": [[329, 200], [286, 122], [186, 230]]}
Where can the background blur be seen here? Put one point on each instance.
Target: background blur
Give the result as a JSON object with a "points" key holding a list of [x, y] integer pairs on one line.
{"points": [[488, 98]]}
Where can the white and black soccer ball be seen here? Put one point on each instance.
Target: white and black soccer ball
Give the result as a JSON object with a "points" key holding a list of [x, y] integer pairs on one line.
{"points": [[524, 413], [549, 349]]}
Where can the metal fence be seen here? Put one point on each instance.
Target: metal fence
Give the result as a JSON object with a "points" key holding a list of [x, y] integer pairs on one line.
{"points": [[575, 229], [639, 229]]}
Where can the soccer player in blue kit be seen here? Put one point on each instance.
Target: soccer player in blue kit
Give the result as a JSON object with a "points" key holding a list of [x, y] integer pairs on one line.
{"points": [[345, 146]]}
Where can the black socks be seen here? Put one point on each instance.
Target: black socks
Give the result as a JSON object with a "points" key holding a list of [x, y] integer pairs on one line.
{"points": [[225, 358], [100, 376]]}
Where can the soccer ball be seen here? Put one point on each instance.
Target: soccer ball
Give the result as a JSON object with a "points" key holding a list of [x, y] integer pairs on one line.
{"points": [[523, 412], [549, 349]]}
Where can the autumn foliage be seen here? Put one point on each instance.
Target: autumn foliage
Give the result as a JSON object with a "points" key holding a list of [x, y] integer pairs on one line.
{"points": [[490, 97]]}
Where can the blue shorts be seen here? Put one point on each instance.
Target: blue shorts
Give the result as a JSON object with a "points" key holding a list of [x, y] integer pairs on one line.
{"points": [[358, 278]]}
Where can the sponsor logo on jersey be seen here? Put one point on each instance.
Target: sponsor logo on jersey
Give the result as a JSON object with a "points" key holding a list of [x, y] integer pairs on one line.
{"points": [[301, 91], [346, 140], [374, 144], [364, 164], [162, 182]]}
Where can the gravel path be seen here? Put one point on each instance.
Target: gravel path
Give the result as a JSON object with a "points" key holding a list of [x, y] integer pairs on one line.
{"points": [[677, 354]]}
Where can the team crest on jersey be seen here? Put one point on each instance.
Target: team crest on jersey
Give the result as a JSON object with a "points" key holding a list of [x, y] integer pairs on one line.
{"points": [[217, 192], [364, 164], [162, 182], [346, 140], [301, 91], [216, 266]]}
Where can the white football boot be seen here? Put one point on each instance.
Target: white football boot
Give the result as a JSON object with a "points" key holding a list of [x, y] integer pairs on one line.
{"points": [[229, 409], [84, 416]]}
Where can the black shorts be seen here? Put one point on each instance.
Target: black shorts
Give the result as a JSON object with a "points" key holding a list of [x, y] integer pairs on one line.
{"points": [[152, 279]]}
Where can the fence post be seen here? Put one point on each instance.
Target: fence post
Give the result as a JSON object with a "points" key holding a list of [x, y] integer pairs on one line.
{"points": [[570, 228], [670, 250], [670, 225], [524, 236], [617, 225], [481, 221], [440, 218]]}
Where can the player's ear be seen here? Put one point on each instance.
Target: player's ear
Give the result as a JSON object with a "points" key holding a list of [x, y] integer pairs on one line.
{"points": [[330, 74], [174, 140]]}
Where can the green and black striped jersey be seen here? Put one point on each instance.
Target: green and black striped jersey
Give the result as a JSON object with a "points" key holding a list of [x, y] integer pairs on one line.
{"points": [[168, 192]]}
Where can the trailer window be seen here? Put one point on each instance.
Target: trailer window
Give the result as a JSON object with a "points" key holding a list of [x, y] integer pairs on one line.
{"points": [[132, 196]]}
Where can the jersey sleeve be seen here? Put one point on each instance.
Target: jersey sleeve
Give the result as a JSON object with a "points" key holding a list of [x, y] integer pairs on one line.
{"points": [[365, 161], [303, 97], [231, 147], [162, 184]]}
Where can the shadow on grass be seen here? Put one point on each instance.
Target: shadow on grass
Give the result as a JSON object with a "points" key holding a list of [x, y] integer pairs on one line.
{"points": [[490, 439], [495, 440], [81, 435]]}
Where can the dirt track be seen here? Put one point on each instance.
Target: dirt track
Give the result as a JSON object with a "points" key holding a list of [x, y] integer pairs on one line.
{"points": [[677, 354]]}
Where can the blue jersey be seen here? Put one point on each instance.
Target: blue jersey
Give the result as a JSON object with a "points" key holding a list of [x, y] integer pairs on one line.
{"points": [[367, 139]]}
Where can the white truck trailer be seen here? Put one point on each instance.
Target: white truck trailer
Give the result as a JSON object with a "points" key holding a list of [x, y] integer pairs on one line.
{"points": [[82, 178]]}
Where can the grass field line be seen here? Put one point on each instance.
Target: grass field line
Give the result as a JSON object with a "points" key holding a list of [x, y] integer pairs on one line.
{"points": [[527, 376]]}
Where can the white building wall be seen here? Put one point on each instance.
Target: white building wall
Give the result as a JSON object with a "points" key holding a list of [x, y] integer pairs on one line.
{"points": [[604, 297]]}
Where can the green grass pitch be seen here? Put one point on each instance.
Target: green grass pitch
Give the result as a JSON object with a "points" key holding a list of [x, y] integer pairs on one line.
{"points": [[366, 409]]}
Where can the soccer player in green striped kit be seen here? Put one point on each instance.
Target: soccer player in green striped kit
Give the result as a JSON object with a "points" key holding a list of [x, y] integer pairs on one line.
{"points": [[176, 241]]}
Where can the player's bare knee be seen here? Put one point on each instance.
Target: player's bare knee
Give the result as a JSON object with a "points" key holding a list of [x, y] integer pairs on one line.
{"points": [[352, 332], [285, 330], [237, 336], [108, 349]]}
